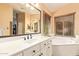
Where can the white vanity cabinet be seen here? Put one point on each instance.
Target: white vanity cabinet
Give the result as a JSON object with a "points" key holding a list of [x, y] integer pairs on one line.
{"points": [[40, 49], [49, 50]]}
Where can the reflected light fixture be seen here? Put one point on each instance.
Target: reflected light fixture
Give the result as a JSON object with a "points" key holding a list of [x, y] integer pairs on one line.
{"points": [[27, 5], [35, 4], [31, 8]]}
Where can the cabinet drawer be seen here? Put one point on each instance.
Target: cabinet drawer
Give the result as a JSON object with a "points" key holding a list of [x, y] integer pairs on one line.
{"points": [[32, 51], [28, 52], [43, 44], [44, 52], [49, 41], [49, 50], [37, 54], [36, 49]]}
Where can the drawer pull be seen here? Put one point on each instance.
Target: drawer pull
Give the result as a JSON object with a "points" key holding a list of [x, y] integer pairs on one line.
{"points": [[44, 44], [41, 54], [34, 51], [48, 47]]}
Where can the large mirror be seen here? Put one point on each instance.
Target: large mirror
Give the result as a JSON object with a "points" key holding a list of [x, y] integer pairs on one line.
{"points": [[14, 21]]}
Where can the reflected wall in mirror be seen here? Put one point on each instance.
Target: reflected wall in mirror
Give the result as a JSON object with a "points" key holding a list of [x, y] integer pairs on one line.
{"points": [[32, 20], [17, 19]]}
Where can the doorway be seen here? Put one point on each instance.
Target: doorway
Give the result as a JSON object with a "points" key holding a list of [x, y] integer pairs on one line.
{"points": [[18, 25]]}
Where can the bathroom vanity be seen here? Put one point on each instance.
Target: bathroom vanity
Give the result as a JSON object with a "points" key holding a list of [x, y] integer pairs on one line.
{"points": [[31, 47]]}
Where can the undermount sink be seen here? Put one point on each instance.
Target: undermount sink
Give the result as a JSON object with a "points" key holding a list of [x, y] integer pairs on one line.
{"points": [[32, 40]]}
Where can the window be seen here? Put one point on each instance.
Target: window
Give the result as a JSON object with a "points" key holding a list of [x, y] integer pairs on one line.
{"points": [[64, 25]]}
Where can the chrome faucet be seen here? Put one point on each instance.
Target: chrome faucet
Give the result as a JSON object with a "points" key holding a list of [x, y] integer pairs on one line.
{"points": [[27, 36], [30, 36], [24, 38]]}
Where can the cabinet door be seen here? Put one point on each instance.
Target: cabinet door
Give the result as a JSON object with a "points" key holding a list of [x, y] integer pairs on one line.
{"points": [[44, 51], [32, 50], [28, 52], [49, 47], [43, 44], [49, 50], [38, 54]]}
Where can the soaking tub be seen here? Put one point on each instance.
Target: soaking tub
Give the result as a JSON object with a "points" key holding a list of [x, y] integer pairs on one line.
{"points": [[65, 46]]}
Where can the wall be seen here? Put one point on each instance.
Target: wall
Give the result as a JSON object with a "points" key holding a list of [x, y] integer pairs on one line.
{"points": [[43, 7], [6, 13], [35, 18], [21, 23], [70, 8]]}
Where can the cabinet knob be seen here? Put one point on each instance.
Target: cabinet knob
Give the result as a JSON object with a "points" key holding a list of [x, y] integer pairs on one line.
{"points": [[48, 47], [34, 51], [41, 54], [44, 44]]}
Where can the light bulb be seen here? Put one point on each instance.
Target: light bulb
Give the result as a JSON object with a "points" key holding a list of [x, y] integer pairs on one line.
{"points": [[27, 5], [31, 8]]}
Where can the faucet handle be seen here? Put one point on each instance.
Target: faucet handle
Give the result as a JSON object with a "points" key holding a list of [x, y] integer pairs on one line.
{"points": [[27, 36], [30, 36], [24, 38]]}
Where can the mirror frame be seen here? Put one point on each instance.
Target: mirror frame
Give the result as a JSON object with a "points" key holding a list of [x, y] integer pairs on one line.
{"points": [[28, 33]]}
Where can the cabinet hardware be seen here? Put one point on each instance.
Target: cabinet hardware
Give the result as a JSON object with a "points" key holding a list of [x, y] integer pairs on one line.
{"points": [[41, 53], [48, 47], [44, 44], [34, 51]]}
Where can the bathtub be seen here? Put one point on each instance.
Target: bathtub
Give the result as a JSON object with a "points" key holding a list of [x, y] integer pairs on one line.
{"points": [[65, 46]]}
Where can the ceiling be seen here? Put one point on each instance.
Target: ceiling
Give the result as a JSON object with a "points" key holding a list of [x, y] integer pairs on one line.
{"points": [[51, 6], [23, 8], [54, 6]]}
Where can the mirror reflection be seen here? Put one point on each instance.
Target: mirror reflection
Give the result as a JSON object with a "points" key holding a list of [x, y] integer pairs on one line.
{"points": [[19, 19]]}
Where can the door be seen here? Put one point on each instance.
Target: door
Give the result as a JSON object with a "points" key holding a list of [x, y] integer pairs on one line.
{"points": [[20, 25]]}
